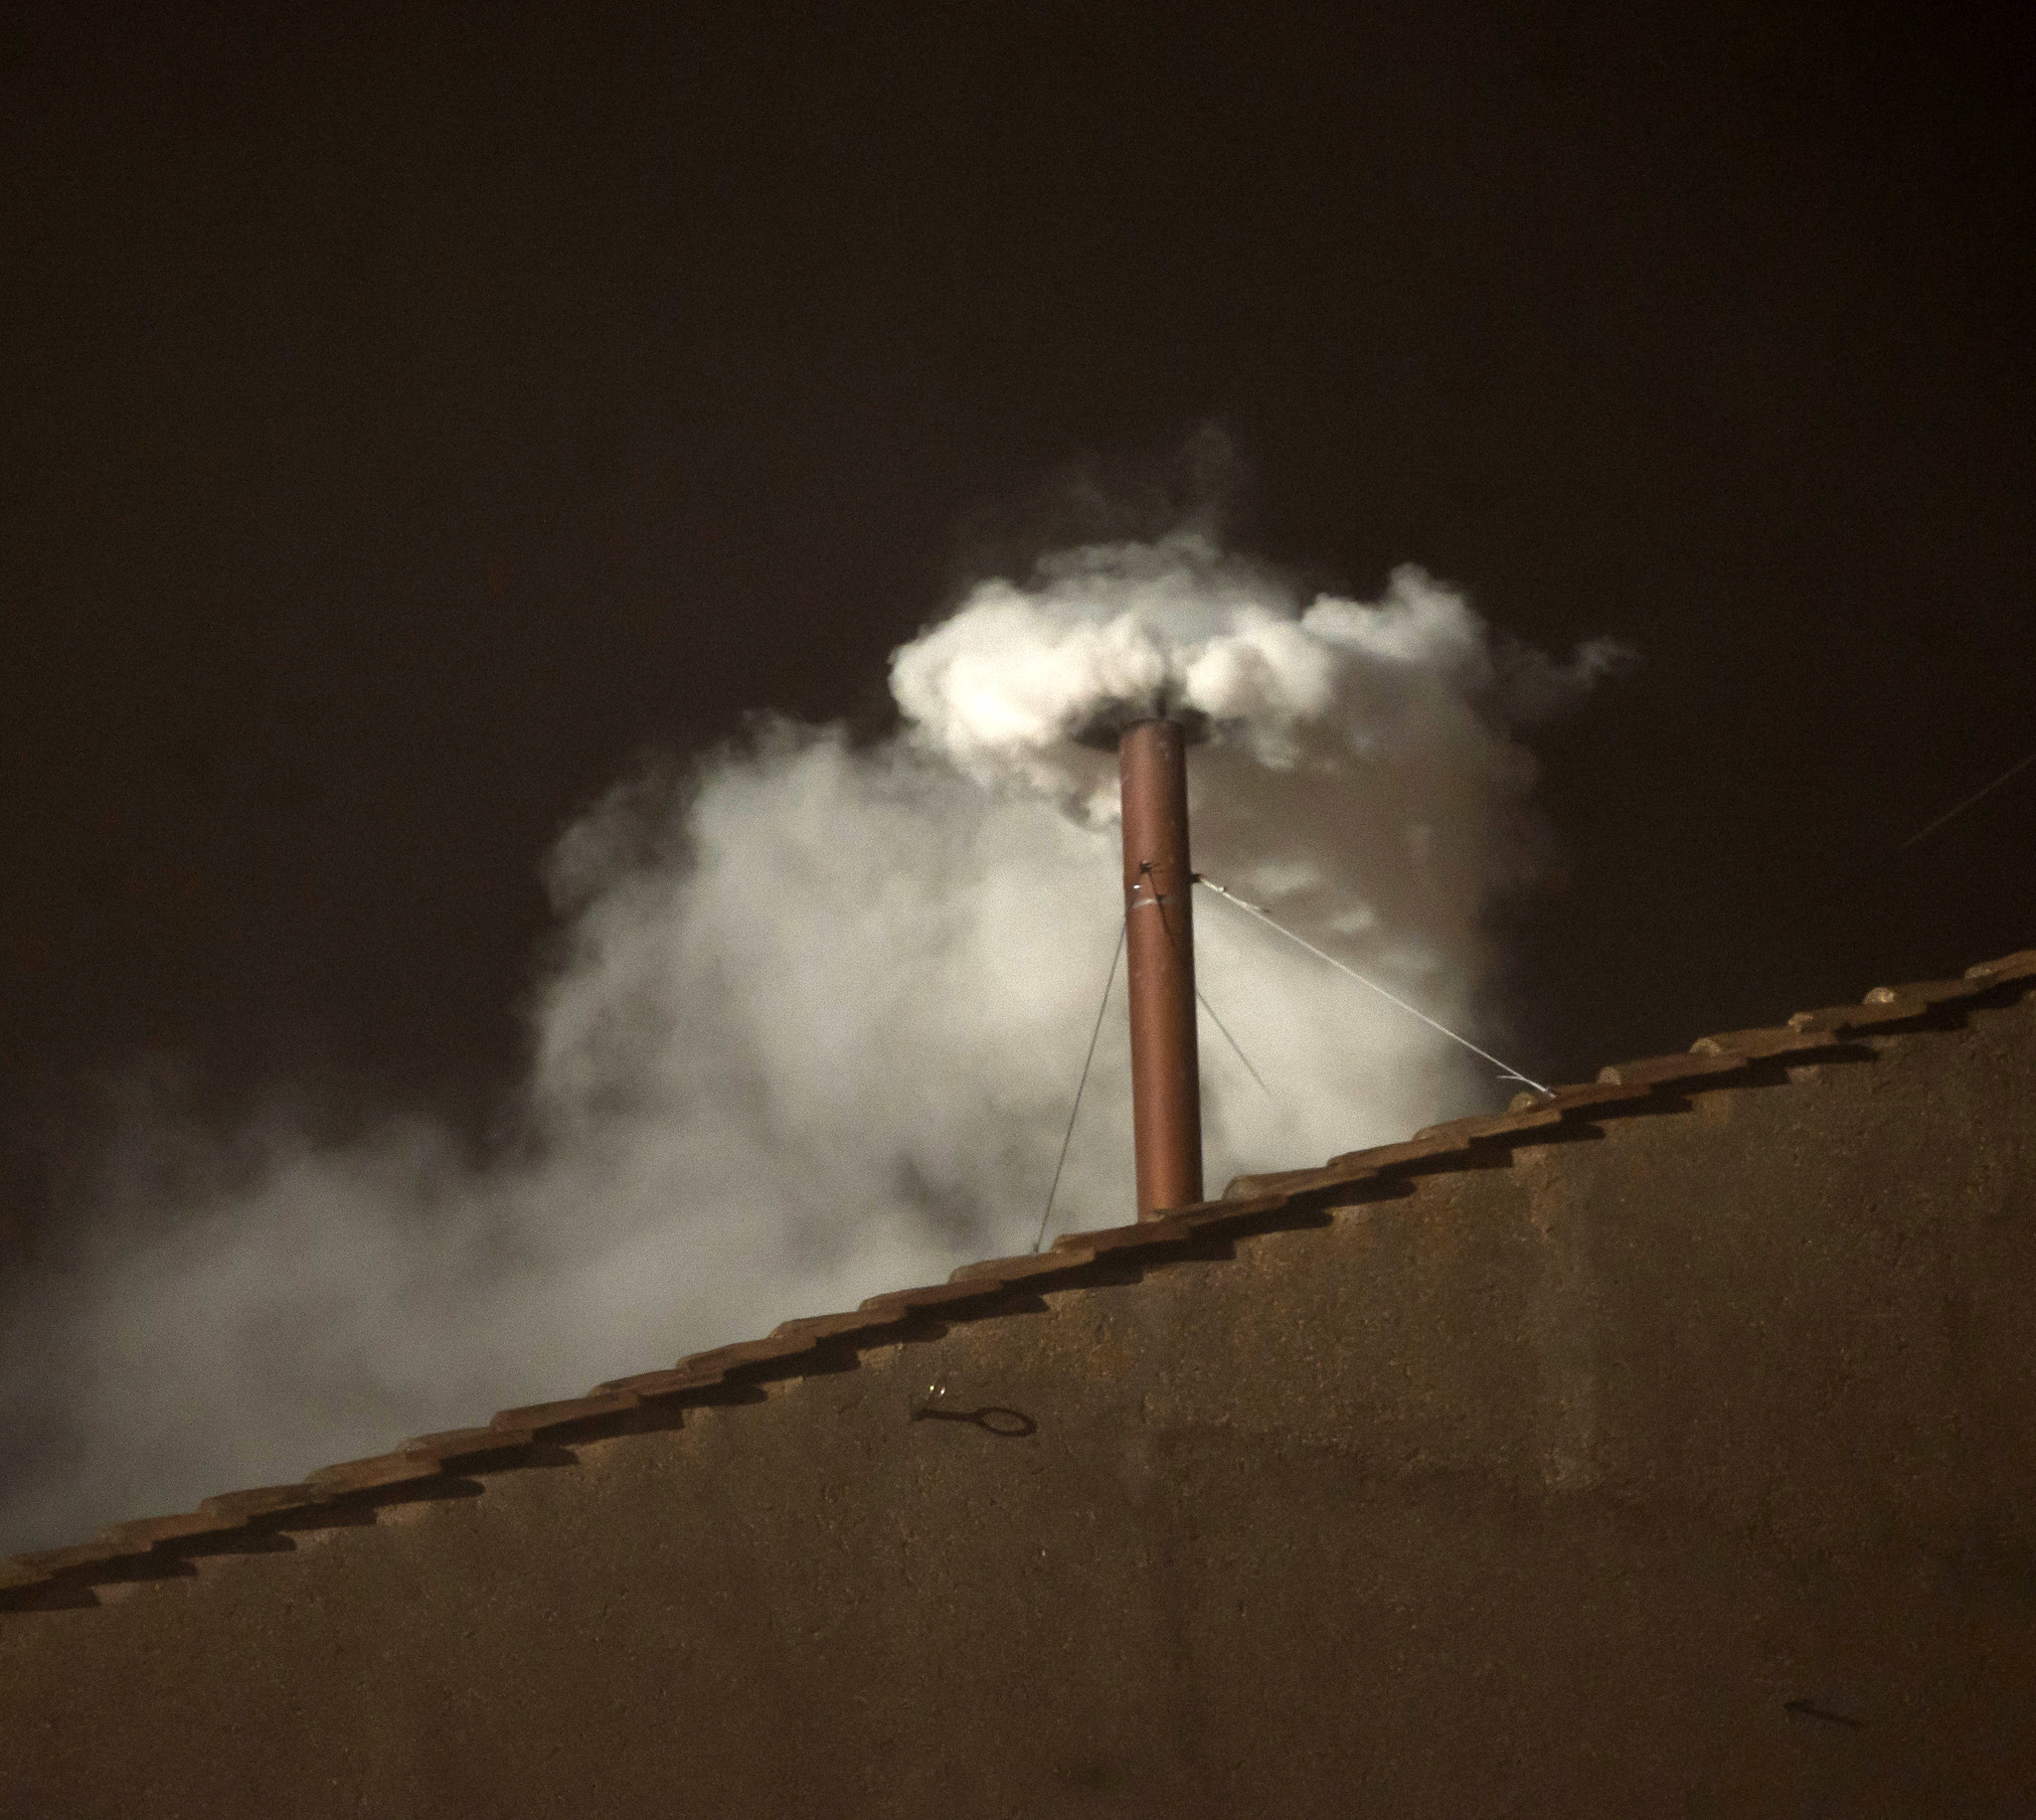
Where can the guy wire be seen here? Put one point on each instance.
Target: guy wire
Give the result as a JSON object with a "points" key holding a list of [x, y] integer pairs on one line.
{"points": [[1505, 1072], [1109, 981]]}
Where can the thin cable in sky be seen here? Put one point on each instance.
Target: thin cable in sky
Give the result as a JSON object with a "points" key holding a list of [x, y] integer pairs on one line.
{"points": [[1505, 1072], [1967, 803], [1081, 1087], [1234, 1044]]}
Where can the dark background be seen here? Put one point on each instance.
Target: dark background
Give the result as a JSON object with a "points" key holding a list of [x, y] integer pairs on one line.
{"points": [[411, 415]]}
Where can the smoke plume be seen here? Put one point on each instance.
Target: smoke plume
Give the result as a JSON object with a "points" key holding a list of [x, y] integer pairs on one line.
{"points": [[813, 1031]]}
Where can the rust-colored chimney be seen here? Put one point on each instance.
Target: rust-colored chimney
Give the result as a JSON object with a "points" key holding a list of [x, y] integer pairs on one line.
{"points": [[1160, 941]]}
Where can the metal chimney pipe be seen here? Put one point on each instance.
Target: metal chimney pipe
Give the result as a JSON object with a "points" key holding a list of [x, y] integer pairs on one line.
{"points": [[1160, 941]]}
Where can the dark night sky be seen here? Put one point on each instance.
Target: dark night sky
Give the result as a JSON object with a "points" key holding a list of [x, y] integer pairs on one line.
{"points": [[411, 416]]}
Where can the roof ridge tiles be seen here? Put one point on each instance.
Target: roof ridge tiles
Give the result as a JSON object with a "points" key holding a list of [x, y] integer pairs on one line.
{"points": [[146, 1532], [835, 1329], [2019, 965], [1234, 1214], [56, 1576], [373, 1473], [929, 1299], [1161, 1232], [1887, 1006], [1771, 1044], [1673, 1071], [1485, 1125], [1354, 1168], [1930, 991], [1440, 1142], [1027, 1267], [659, 1385], [257, 1502], [1074, 1252], [1286, 1183], [535, 1419], [1860, 1020], [466, 1446], [1586, 1095]]}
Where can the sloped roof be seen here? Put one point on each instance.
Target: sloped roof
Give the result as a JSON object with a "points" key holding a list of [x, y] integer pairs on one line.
{"points": [[442, 1465]]}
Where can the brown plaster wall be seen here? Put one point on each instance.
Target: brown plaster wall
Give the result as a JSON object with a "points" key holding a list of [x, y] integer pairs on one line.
{"points": [[1539, 1489]]}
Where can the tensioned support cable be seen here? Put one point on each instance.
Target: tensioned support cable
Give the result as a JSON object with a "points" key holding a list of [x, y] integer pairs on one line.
{"points": [[1081, 1087], [2013, 771], [1234, 1044], [1252, 910]]}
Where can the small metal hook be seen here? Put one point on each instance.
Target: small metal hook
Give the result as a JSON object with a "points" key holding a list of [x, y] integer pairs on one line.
{"points": [[993, 1419]]}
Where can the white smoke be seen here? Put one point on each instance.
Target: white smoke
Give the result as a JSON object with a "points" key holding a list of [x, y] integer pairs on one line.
{"points": [[815, 1029]]}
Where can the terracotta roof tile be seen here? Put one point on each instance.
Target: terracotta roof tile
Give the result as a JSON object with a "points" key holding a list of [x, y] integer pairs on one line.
{"points": [[372, 1474], [260, 1501], [540, 1418], [125, 1547], [673, 1381], [2010, 967], [1672, 1071], [820, 1329], [1284, 1182], [753, 1358], [1772, 1045], [344, 1492], [1490, 1126], [1597, 1096], [1439, 1145], [146, 1532], [931, 1296], [1151, 1236], [790, 1340], [1010, 1271], [1887, 1006], [1931, 992], [725, 1361], [1235, 1214], [468, 1448]]}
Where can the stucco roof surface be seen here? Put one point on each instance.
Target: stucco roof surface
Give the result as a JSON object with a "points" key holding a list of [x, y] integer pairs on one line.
{"points": [[443, 1465]]}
